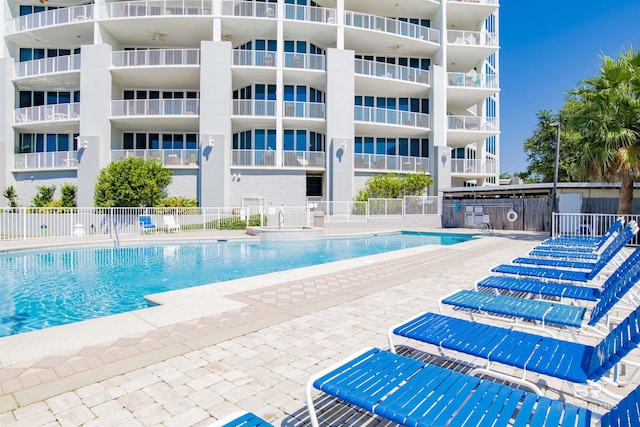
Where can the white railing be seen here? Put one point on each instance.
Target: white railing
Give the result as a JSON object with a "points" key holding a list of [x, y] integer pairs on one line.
{"points": [[169, 158], [472, 38], [281, 216], [391, 117], [587, 224], [242, 8], [391, 71], [259, 158], [393, 26], [384, 162], [474, 123], [304, 60], [487, 81], [474, 166], [57, 64], [422, 205], [155, 107], [128, 9], [385, 208], [309, 13], [155, 57], [303, 159], [48, 160], [51, 112], [340, 211], [254, 107], [308, 110], [494, 2], [48, 18], [254, 58]]}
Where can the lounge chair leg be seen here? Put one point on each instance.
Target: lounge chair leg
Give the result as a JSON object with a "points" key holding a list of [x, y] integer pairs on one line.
{"points": [[497, 375]]}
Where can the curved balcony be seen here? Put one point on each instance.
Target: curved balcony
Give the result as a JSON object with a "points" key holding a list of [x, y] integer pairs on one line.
{"points": [[309, 13], [254, 58], [253, 158], [39, 67], [474, 167], [396, 76], [156, 58], [250, 9], [130, 9], [393, 37], [413, 123], [464, 130], [303, 159], [305, 61], [50, 18], [390, 163], [297, 20], [304, 110], [48, 160], [254, 107], [466, 89], [155, 107], [469, 13], [169, 158], [467, 48], [47, 113], [130, 67]]}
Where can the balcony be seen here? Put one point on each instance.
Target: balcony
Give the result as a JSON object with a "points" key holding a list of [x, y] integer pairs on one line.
{"points": [[304, 110], [391, 71], [474, 167], [254, 107], [169, 158], [242, 8], [469, 13], [303, 159], [414, 123], [467, 48], [253, 158], [466, 89], [49, 18], [132, 9], [254, 58], [464, 130], [389, 35], [309, 13], [390, 163], [155, 107], [305, 61], [156, 58], [47, 113], [396, 78], [48, 160], [38, 67]]}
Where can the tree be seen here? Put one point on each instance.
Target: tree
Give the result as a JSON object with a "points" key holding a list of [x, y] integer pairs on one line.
{"points": [[609, 120], [11, 195], [44, 195], [69, 192], [132, 182], [392, 186]]}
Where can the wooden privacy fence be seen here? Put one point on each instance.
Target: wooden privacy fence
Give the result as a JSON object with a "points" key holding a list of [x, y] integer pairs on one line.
{"points": [[528, 214]]}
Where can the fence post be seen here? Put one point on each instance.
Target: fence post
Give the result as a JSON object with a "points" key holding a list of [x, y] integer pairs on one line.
{"points": [[24, 223]]}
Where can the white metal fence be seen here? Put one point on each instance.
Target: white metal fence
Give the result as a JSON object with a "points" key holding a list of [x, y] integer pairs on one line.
{"points": [[592, 225], [35, 223]]}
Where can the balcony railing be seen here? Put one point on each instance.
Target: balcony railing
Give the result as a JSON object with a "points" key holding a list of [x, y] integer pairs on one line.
{"points": [[391, 71], [474, 123], [155, 107], [307, 110], [393, 26], [57, 64], [303, 159], [472, 38], [48, 18], [159, 8], [47, 113], [475, 1], [304, 60], [309, 13], [474, 166], [49, 160], [407, 164], [244, 8], [155, 57], [486, 81], [169, 158], [254, 58], [260, 158], [254, 107], [391, 117]]}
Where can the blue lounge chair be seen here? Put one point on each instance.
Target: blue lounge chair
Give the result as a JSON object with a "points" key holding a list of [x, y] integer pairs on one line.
{"points": [[241, 419], [552, 313], [145, 224], [414, 393], [539, 288], [590, 242], [559, 274], [582, 366]]}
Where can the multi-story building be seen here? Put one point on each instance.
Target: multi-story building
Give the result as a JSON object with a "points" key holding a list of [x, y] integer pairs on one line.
{"points": [[282, 100]]}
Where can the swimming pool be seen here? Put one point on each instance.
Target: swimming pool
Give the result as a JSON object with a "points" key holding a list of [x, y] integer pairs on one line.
{"points": [[43, 289]]}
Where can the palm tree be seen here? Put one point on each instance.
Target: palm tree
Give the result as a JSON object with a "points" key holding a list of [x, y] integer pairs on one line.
{"points": [[609, 120]]}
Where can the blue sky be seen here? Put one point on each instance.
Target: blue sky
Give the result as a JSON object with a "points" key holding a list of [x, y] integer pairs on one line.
{"points": [[546, 48]]}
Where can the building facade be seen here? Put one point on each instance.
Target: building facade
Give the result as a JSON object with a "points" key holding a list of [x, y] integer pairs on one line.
{"points": [[282, 101]]}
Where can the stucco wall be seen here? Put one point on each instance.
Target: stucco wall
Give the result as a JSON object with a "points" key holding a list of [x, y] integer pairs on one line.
{"points": [[27, 187], [287, 187]]}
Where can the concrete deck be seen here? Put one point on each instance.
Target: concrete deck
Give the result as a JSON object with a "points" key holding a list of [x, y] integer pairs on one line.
{"points": [[249, 344]]}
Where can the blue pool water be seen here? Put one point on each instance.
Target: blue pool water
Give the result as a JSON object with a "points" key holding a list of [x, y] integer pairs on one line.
{"points": [[43, 289]]}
